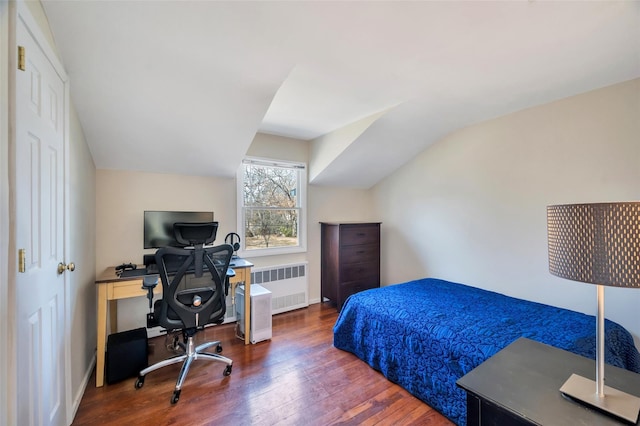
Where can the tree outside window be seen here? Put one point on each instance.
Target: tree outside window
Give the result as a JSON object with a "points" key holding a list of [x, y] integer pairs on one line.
{"points": [[272, 204]]}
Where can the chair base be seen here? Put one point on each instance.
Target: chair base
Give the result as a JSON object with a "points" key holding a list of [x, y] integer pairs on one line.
{"points": [[191, 354]]}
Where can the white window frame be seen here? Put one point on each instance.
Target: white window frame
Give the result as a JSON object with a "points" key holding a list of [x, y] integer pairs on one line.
{"points": [[302, 201]]}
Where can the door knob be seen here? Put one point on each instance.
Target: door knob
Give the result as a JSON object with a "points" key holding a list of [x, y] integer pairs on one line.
{"points": [[61, 267]]}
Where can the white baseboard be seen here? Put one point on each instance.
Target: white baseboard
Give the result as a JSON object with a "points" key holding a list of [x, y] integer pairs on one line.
{"points": [[83, 387]]}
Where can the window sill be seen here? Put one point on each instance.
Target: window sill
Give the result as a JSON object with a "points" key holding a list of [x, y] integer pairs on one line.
{"points": [[275, 251]]}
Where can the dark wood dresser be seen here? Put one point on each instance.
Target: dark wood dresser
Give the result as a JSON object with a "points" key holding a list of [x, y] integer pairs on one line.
{"points": [[350, 259]]}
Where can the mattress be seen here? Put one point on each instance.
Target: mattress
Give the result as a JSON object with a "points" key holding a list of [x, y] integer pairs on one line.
{"points": [[426, 334]]}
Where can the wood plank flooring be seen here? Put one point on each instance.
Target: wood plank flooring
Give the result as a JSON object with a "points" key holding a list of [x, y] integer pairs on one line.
{"points": [[296, 378]]}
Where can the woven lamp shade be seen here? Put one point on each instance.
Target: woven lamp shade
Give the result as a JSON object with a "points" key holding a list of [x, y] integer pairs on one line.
{"points": [[595, 243], [598, 244]]}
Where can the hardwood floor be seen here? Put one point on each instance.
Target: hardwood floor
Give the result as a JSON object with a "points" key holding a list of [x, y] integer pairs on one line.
{"points": [[296, 378]]}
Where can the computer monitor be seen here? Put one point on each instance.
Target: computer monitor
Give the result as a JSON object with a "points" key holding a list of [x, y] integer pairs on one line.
{"points": [[158, 226]]}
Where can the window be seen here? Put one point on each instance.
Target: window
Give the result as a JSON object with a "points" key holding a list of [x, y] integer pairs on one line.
{"points": [[271, 211]]}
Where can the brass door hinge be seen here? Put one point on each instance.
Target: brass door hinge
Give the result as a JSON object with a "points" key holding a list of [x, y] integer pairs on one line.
{"points": [[22, 260], [21, 59]]}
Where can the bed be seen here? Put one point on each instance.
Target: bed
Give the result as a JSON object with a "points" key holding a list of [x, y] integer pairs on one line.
{"points": [[426, 334]]}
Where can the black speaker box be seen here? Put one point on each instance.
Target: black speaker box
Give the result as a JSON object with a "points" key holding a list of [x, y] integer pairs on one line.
{"points": [[149, 259], [126, 354]]}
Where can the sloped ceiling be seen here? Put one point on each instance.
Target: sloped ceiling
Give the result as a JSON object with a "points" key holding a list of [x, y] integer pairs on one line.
{"points": [[184, 86]]}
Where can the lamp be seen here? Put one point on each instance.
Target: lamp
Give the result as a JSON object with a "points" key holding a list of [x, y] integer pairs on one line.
{"points": [[597, 244]]}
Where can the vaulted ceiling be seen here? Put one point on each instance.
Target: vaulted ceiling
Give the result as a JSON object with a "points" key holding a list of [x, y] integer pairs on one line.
{"points": [[184, 86]]}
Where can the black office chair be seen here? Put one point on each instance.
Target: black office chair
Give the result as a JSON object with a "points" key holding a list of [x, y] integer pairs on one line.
{"points": [[194, 286]]}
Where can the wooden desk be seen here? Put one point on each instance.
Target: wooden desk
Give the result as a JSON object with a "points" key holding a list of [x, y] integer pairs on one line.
{"points": [[111, 288], [520, 385]]}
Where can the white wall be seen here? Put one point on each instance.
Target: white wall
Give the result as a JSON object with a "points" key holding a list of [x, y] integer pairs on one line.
{"points": [[472, 208], [122, 197], [82, 184], [469, 209]]}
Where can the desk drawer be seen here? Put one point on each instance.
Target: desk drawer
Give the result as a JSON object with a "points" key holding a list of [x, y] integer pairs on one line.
{"points": [[241, 276], [126, 289]]}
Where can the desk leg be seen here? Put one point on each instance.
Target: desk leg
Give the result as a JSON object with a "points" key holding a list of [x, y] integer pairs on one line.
{"points": [[247, 307], [102, 334], [113, 316]]}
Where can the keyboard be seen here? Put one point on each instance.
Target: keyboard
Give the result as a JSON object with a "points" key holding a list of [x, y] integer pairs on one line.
{"points": [[153, 268]]}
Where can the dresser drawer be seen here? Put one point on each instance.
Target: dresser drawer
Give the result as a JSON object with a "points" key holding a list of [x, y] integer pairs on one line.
{"points": [[349, 289], [360, 271], [359, 234], [360, 253], [352, 287]]}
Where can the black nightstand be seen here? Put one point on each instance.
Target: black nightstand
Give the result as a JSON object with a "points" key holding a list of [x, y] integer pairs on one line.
{"points": [[520, 386]]}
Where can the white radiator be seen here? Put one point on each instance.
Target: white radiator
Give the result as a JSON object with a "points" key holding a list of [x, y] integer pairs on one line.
{"points": [[288, 284]]}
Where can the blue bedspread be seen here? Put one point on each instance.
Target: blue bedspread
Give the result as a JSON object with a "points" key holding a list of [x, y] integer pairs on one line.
{"points": [[426, 334]]}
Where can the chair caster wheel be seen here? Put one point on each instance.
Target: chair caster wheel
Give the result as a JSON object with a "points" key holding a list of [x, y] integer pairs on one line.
{"points": [[175, 397], [139, 382], [227, 370], [219, 349]]}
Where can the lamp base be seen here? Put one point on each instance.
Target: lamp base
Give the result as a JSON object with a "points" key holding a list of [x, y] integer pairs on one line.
{"points": [[615, 402]]}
